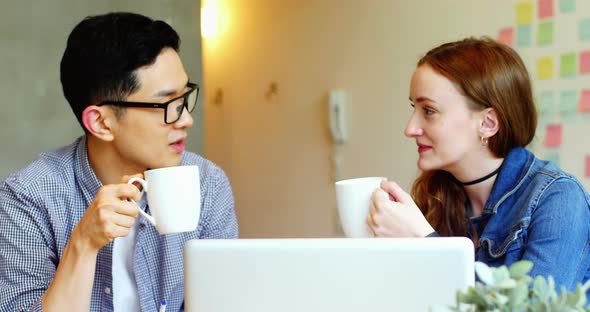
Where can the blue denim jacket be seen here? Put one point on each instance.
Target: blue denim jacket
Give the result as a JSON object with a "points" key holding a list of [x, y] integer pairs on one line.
{"points": [[539, 213]]}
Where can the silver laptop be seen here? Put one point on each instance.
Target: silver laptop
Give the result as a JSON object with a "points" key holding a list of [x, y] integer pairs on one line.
{"points": [[283, 275]]}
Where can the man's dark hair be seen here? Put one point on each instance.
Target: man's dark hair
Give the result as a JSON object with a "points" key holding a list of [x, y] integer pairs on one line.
{"points": [[103, 52]]}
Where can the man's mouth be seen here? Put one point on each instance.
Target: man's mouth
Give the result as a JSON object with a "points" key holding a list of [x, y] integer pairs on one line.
{"points": [[178, 146]]}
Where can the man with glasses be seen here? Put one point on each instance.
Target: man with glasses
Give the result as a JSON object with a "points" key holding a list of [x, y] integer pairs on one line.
{"points": [[70, 238]]}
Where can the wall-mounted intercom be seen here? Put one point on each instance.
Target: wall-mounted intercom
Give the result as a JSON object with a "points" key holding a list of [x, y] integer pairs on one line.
{"points": [[338, 111]]}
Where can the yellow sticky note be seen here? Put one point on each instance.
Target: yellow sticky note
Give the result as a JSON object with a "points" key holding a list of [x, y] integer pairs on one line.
{"points": [[524, 12], [545, 67]]}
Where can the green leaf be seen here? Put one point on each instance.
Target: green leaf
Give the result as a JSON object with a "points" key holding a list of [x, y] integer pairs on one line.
{"points": [[484, 273], [520, 268], [484, 296], [540, 288], [581, 293], [500, 274], [525, 280], [551, 285], [500, 300], [471, 297], [506, 284], [518, 294]]}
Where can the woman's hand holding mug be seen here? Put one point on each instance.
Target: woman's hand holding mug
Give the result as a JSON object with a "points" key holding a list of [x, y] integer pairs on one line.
{"points": [[393, 213]]}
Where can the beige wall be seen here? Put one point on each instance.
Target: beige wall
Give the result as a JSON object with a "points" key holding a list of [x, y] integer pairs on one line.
{"points": [[277, 150]]}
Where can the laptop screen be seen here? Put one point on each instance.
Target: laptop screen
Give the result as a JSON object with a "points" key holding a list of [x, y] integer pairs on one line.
{"points": [[326, 274]]}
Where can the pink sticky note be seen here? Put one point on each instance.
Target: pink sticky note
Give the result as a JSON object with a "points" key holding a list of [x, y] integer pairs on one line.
{"points": [[584, 104], [585, 62], [587, 166], [553, 135], [545, 8], [506, 36]]}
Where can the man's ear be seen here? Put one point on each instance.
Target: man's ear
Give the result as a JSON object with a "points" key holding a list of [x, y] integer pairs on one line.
{"points": [[490, 124], [97, 121]]}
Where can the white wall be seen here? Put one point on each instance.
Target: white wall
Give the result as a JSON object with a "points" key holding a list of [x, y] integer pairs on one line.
{"points": [[277, 151]]}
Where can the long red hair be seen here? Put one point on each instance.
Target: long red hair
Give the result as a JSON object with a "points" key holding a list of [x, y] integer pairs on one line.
{"points": [[491, 75]]}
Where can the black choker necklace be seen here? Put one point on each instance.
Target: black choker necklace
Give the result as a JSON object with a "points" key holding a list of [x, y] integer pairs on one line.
{"points": [[482, 178]]}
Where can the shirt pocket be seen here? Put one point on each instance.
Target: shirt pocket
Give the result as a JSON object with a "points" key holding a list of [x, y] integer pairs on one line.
{"points": [[503, 249]]}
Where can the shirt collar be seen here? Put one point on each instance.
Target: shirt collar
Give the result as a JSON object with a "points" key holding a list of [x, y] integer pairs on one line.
{"points": [[515, 167], [85, 177]]}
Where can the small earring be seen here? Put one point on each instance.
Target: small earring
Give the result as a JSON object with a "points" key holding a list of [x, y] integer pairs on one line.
{"points": [[484, 141]]}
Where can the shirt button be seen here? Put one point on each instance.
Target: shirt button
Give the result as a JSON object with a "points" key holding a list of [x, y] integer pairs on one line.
{"points": [[107, 291]]}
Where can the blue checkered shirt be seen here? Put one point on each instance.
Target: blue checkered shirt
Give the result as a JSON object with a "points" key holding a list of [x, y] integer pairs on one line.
{"points": [[41, 204]]}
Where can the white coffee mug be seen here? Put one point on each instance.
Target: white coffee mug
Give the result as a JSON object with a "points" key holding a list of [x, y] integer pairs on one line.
{"points": [[353, 198], [174, 198]]}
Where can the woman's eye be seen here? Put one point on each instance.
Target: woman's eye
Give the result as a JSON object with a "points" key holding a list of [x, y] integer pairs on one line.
{"points": [[428, 111]]}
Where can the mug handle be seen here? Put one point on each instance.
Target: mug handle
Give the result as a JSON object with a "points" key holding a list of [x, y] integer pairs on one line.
{"points": [[145, 187]]}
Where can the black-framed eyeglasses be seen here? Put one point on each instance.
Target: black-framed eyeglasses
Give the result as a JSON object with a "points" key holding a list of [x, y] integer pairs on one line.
{"points": [[172, 109]]}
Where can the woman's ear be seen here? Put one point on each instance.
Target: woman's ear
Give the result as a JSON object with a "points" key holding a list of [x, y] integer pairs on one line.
{"points": [[490, 124], [97, 122]]}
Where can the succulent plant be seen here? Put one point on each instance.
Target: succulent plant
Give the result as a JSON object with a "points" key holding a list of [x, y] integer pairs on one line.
{"points": [[512, 289]]}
